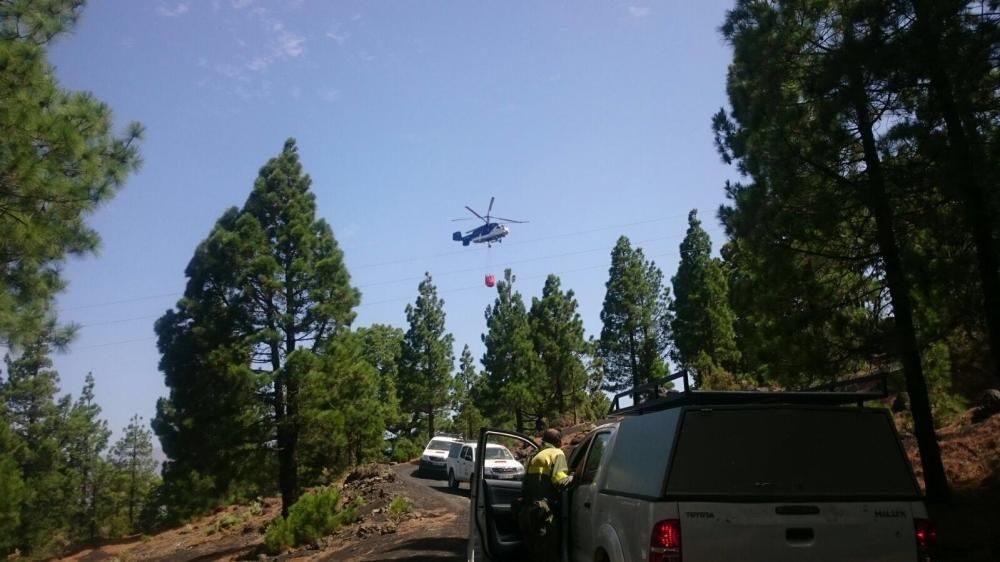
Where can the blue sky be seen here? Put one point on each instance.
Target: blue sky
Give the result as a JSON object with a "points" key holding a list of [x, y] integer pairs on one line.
{"points": [[589, 119]]}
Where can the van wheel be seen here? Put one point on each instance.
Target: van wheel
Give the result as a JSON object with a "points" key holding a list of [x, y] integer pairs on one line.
{"points": [[452, 482]]}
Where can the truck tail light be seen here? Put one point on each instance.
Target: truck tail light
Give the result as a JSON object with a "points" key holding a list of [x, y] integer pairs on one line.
{"points": [[665, 541], [926, 535]]}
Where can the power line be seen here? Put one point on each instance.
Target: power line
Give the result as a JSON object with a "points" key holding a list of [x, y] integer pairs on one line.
{"points": [[517, 262], [110, 343], [123, 301], [387, 301], [394, 262], [519, 242], [440, 276]]}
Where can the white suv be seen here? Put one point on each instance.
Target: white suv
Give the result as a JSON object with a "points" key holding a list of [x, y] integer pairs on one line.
{"points": [[749, 476], [499, 464], [434, 458]]}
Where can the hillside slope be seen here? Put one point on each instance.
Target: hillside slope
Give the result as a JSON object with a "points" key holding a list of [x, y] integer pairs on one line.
{"points": [[434, 528]]}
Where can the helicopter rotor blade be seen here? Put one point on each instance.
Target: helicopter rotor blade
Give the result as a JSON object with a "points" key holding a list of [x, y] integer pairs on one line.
{"points": [[501, 219], [462, 219], [490, 209], [475, 213]]}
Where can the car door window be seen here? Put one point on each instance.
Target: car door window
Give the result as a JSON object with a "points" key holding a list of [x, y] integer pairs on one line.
{"points": [[594, 457], [577, 455], [467, 454]]}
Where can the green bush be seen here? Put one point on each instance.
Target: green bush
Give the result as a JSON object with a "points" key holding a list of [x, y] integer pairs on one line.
{"points": [[400, 505], [315, 515], [405, 450], [946, 404], [224, 523]]}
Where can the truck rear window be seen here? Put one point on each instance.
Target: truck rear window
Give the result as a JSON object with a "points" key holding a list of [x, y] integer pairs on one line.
{"points": [[788, 453]]}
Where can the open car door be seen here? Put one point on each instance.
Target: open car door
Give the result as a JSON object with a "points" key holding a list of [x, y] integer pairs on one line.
{"points": [[493, 532]]}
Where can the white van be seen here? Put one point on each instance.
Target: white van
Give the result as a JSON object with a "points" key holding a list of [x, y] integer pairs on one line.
{"points": [[707, 476]]}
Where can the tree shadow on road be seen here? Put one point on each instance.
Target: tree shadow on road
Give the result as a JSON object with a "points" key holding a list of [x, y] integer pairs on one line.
{"points": [[430, 549], [418, 474], [444, 489]]}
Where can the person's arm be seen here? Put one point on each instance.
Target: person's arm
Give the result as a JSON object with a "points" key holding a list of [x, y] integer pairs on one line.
{"points": [[560, 471]]}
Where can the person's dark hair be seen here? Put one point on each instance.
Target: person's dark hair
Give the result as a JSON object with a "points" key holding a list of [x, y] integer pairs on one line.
{"points": [[552, 436]]}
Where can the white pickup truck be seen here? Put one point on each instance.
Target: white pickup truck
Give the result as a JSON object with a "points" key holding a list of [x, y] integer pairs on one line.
{"points": [[499, 464], [707, 476]]}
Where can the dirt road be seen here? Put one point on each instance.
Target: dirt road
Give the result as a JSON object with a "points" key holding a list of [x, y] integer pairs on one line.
{"points": [[439, 531]]}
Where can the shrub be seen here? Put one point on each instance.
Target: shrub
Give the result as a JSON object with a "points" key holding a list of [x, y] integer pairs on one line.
{"points": [[405, 450], [400, 505], [315, 515], [224, 523]]}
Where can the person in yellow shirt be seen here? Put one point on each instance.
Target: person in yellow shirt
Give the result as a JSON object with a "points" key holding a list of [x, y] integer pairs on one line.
{"points": [[544, 480]]}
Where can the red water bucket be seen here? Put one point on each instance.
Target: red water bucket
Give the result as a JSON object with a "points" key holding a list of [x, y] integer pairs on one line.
{"points": [[491, 280]]}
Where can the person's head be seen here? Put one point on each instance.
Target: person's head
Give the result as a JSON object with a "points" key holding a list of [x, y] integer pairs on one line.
{"points": [[552, 436]]}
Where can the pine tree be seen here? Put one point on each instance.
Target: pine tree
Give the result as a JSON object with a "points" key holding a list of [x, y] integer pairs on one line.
{"points": [[383, 349], [427, 360], [340, 401], [211, 427], [513, 385], [636, 320], [468, 418], [13, 492], [702, 322], [269, 284], [87, 437], [36, 439], [132, 458], [812, 93], [558, 338], [12, 487], [59, 160], [952, 46]]}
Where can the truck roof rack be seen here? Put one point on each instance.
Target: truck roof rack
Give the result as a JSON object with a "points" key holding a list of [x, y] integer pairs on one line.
{"points": [[659, 395]]}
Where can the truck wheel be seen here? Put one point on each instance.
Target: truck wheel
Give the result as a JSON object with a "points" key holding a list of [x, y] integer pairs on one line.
{"points": [[452, 482]]}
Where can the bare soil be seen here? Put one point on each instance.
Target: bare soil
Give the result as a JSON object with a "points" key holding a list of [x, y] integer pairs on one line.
{"points": [[435, 527], [968, 525]]}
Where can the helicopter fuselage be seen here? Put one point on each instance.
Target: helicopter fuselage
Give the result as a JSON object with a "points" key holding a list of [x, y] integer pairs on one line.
{"points": [[486, 234]]}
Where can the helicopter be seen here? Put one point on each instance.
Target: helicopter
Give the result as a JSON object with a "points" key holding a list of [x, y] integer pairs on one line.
{"points": [[492, 230]]}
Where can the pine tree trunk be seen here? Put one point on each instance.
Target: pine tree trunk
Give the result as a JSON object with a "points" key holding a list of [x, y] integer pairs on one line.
{"points": [[283, 410], [633, 361], [935, 480], [286, 479], [132, 492], [966, 170], [430, 422], [519, 419], [288, 428], [560, 400]]}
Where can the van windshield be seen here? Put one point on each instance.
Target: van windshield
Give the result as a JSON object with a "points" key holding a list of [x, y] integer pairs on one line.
{"points": [[498, 453], [438, 445], [788, 453]]}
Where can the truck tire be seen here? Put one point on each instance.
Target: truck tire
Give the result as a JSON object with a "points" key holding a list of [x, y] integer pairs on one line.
{"points": [[452, 482]]}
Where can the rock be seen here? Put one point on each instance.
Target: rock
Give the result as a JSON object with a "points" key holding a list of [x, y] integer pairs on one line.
{"points": [[989, 404], [990, 400], [901, 403], [368, 472]]}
